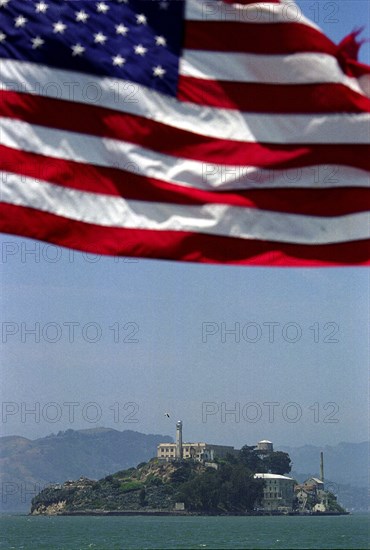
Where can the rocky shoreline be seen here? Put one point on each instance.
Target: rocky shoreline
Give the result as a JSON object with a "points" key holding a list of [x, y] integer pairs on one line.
{"points": [[179, 513]]}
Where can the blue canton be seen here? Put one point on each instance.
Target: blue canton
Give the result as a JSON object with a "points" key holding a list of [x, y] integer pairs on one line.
{"points": [[137, 40]]}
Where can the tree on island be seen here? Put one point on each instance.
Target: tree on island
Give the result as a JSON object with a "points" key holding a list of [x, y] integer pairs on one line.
{"points": [[230, 488], [251, 459], [276, 462]]}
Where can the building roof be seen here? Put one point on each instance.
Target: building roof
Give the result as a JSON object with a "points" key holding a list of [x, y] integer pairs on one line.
{"points": [[265, 441], [314, 479], [271, 476]]}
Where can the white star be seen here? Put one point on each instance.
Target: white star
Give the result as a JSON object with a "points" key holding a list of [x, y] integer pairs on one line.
{"points": [[41, 7], [118, 60], [20, 21], [141, 19], [140, 50], [59, 27], [81, 16], [2, 37], [160, 41], [121, 29], [163, 5], [37, 42], [102, 7], [158, 71], [4, 3], [99, 38], [77, 49]]}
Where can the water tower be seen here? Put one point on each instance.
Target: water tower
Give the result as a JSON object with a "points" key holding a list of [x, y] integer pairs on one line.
{"points": [[265, 446]]}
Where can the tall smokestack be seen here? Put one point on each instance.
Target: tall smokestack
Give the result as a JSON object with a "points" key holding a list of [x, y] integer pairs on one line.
{"points": [[322, 466], [179, 439]]}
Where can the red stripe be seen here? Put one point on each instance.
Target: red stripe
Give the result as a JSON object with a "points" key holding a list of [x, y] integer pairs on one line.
{"points": [[110, 181], [153, 135], [266, 38], [356, 69], [184, 246], [261, 38], [272, 98]]}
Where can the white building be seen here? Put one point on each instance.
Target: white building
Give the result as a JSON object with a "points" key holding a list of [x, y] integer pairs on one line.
{"points": [[198, 451], [278, 492]]}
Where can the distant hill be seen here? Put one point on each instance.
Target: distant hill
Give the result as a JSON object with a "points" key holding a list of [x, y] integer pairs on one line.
{"points": [[346, 470], [27, 466], [346, 463]]}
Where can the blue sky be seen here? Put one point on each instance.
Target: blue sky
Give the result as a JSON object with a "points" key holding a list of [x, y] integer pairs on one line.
{"points": [[285, 349], [339, 18]]}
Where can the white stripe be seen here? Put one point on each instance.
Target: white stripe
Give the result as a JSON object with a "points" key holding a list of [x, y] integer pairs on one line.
{"points": [[131, 98], [180, 171], [299, 68], [213, 219], [364, 83], [260, 12]]}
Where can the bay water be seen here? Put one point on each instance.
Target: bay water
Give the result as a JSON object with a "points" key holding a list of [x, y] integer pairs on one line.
{"points": [[167, 532]]}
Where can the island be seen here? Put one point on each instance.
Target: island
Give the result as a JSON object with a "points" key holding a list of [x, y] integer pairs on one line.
{"points": [[251, 481]]}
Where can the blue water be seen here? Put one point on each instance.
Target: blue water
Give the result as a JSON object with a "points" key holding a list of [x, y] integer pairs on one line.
{"points": [[109, 533]]}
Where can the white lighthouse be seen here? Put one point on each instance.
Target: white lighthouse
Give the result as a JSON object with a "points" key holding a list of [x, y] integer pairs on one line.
{"points": [[179, 439]]}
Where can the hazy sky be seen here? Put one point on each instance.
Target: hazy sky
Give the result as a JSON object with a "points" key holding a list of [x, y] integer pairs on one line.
{"points": [[119, 342]]}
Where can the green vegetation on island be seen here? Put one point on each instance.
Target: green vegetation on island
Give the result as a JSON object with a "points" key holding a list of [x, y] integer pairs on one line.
{"points": [[223, 486], [155, 486]]}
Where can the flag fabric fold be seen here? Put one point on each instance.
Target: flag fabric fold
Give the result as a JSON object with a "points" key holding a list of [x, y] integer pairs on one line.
{"points": [[195, 130]]}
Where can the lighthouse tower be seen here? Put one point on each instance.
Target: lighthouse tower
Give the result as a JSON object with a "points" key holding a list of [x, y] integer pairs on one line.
{"points": [[322, 466], [179, 439]]}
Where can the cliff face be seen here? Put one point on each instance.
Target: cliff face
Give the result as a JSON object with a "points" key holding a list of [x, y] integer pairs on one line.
{"points": [[50, 510]]}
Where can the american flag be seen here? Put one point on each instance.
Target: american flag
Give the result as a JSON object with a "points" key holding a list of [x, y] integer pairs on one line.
{"points": [[197, 130]]}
